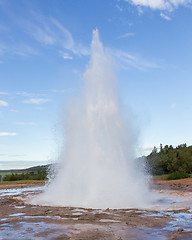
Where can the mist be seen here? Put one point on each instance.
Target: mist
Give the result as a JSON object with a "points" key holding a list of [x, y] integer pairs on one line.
{"points": [[97, 168]]}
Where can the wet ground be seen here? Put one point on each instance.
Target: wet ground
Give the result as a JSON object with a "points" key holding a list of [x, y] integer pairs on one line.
{"points": [[170, 218]]}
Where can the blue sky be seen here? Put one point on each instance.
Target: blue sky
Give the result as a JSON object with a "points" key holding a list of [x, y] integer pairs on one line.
{"points": [[44, 51]]}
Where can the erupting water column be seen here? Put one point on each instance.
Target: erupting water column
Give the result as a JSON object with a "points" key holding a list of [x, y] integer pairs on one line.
{"points": [[98, 167]]}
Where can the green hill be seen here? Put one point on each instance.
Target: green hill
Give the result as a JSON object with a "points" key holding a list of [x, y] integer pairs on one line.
{"points": [[32, 173], [169, 160]]}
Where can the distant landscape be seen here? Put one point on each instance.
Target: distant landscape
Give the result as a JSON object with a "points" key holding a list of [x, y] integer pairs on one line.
{"points": [[166, 163], [29, 174]]}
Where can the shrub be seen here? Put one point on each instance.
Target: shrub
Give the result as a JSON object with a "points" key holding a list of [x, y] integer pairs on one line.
{"points": [[177, 175], [39, 175]]}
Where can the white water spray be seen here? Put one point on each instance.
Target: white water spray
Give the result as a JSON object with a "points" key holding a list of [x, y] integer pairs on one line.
{"points": [[98, 168]]}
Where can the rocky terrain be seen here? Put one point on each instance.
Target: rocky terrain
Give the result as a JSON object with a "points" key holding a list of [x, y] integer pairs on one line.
{"points": [[168, 220]]}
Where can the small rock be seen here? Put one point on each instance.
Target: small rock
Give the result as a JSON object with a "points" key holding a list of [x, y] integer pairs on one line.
{"points": [[180, 229]]}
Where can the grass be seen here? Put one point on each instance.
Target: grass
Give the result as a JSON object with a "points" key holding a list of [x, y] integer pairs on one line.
{"points": [[22, 181], [177, 175], [10, 172], [173, 176], [161, 177]]}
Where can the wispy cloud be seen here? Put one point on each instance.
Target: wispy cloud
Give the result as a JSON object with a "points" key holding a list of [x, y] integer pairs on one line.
{"points": [[2, 134], [3, 103], [14, 48], [3, 93], [18, 155], [168, 5], [126, 35], [36, 100], [119, 7], [26, 123], [166, 17], [22, 93], [13, 155], [62, 90], [65, 55], [19, 164], [24, 50], [128, 60], [145, 150], [50, 32], [14, 110]]}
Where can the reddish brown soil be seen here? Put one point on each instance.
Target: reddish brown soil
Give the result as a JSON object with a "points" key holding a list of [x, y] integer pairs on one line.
{"points": [[18, 217], [20, 185], [184, 185]]}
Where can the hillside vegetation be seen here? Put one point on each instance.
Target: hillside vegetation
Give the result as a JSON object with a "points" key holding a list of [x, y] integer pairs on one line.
{"points": [[33, 173], [172, 163], [177, 162]]}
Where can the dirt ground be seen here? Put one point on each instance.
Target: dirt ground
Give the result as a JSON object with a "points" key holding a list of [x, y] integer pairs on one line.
{"points": [[180, 184], [21, 220], [20, 185]]}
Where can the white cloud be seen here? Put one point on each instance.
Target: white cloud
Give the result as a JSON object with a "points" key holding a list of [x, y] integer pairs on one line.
{"points": [[14, 110], [14, 155], [147, 149], [62, 90], [36, 100], [165, 16], [23, 50], [7, 134], [20, 164], [65, 55], [167, 5], [128, 60], [126, 35], [3, 103], [12, 48], [26, 123], [22, 93], [119, 7], [49, 31], [3, 93]]}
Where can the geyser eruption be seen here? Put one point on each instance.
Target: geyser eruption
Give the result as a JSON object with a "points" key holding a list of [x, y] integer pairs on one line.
{"points": [[98, 167]]}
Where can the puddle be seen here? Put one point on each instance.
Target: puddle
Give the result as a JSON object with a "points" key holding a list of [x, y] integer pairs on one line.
{"points": [[77, 213], [20, 225], [19, 191], [16, 214], [28, 231], [153, 234], [171, 200], [181, 220], [3, 219], [19, 207], [34, 217], [109, 221], [79, 210]]}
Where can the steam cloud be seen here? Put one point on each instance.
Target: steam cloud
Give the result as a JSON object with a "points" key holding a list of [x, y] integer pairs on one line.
{"points": [[98, 167]]}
